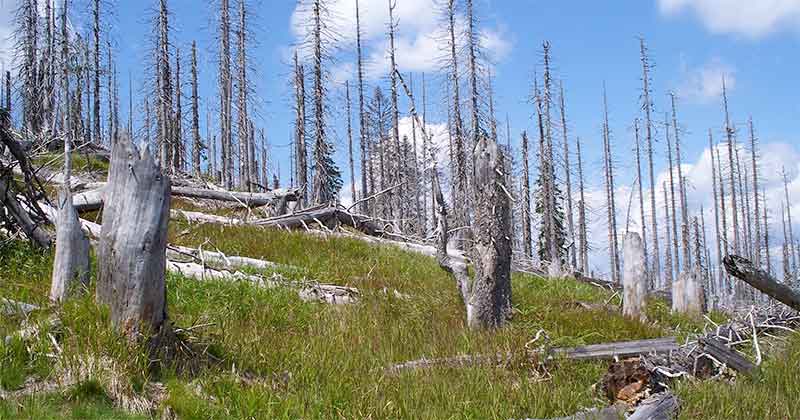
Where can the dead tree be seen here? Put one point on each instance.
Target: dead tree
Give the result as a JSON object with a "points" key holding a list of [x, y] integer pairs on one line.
{"points": [[526, 199], [65, 85], [685, 236], [788, 275], [610, 193], [178, 148], [551, 204], [675, 262], [133, 240], [362, 116], [460, 175], [226, 94], [350, 142], [756, 202], [568, 179], [197, 145], [729, 132], [766, 232], [97, 70], [242, 134], [487, 297], [164, 94], [399, 164], [790, 245], [714, 180], [635, 278], [669, 269], [643, 224], [301, 166], [71, 262], [583, 234], [647, 105], [744, 270]]}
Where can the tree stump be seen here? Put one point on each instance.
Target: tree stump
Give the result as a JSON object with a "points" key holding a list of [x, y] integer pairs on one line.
{"points": [[687, 293], [489, 301], [71, 264], [634, 279], [133, 239]]}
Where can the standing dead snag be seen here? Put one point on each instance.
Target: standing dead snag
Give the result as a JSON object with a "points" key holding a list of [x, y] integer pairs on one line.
{"points": [[133, 240], [487, 297], [687, 293], [71, 265], [634, 279]]}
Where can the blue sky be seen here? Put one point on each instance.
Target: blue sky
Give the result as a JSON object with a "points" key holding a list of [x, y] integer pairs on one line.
{"points": [[692, 44]]}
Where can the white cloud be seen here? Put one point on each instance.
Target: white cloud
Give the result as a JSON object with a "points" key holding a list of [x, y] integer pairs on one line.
{"points": [[751, 18], [704, 83]]}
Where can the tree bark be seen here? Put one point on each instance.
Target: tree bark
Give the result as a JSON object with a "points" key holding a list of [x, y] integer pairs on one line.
{"points": [[634, 279], [133, 239], [746, 271]]}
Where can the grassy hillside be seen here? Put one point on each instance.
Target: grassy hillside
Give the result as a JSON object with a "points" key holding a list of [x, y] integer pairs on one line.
{"points": [[266, 354]]}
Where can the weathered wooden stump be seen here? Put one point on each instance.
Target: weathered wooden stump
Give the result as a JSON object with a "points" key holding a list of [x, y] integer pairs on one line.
{"points": [[687, 293], [71, 264], [490, 297], [634, 279], [133, 239]]}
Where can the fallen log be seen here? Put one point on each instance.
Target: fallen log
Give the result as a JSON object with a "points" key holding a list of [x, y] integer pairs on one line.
{"points": [[196, 217], [662, 406], [10, 307], [746, 271], [622, 349], [723, 354], [93, 200], [178, 253], [308, 292], [465, 360], [21, 216]]}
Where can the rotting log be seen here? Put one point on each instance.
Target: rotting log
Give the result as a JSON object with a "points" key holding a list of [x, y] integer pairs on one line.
{"points": [[133, 239], [746, 271], [723, 354], [71, 263], [662, 406], [178, 253], [620, 349]]}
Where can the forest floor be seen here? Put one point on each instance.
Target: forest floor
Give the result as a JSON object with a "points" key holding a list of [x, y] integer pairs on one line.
{"points": [[265, 354]]}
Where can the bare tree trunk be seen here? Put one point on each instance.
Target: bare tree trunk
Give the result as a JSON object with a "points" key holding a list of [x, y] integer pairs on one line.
{"points": [[526, 199], [568, 179], [610, 192], [96, 15], [650, 275], [165, 90], [132, 249], [490, 297], [460, 175], [723, 213], [399, 164], [685, 236], [635, 278], [648, 107], [670, 271], [65, 88], [300, 129], [550, 172], [756, 202], [71, 263], [583, 235], [766, 232], [416, 187], [714, 181], [178, 157], [675, 264], [790, 240], [242, 112], [350, 142], [226, 95], [732, 166], [197, 144], [362, 116]]}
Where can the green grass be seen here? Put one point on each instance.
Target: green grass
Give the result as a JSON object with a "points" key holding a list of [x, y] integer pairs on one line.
{"points": [[80, 162], [283, 358]]}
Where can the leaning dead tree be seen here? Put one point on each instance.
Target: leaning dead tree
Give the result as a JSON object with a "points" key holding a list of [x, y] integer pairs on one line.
{"points": [[132, 246], [487, 296]]}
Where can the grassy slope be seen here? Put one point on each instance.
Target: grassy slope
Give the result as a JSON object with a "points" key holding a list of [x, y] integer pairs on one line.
{"points": [[303, 360]]}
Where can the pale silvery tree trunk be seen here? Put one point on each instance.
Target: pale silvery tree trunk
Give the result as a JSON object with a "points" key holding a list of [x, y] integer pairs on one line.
{"points": [[634, 278], [732, 166], [550, 172], [670, 272], [790, 241], [362, 116], [640, 192], [526, 199], [568, 178], [226, 95], [685, 237], [197, 144], [610, 195], [242, 86], [473, 40], [133, 239], [766, 232], [647, 105], [350, 142], [71, 262], [264, 165], [300, 129], [399, 166], [583, 234], [788, 276], [164, 91], [460, 175], [65, 85], [723, 213], [416, 188], [716, 206], [756, 200], [96, 103], [675, 265], [178, 148]]}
